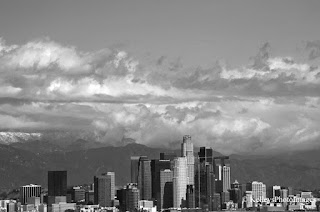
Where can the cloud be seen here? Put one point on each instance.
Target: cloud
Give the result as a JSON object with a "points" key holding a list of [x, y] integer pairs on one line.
{"points": [[37, 55], [314, 49], [108, 95], [9, 90], [19, 123]]}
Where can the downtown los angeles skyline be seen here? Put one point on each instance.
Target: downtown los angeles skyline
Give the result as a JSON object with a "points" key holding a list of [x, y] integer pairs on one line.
{"points": [[239, 77]]}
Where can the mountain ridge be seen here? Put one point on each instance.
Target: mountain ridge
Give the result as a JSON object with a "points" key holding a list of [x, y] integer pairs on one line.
{"points": [[20, 167]]}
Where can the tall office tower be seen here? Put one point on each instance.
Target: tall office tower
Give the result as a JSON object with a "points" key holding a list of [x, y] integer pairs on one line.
{"points": [[187, 151], [225, 178], [134, 169], [258, 190], [210, 186], [205, 184], [222, 173], [200, 184], [206, 155], [104, 189], [29, 191], [166, 189], [190, 197], [197, 181], [156, 167], [57, 183], [204, 178], [144, 178], [180, 181], [167, 155]]}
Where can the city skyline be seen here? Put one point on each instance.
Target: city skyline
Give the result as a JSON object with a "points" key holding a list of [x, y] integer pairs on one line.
{"points": [[211, 190], [159, 106], [241, 77]]}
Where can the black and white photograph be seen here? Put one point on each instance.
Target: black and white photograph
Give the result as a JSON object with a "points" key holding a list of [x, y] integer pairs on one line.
{"points": [[159, 105]]}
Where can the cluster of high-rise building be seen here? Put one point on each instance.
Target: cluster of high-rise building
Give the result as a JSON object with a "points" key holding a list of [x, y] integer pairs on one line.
{"points": [[187, 181], [191, 182], [180, 181]]}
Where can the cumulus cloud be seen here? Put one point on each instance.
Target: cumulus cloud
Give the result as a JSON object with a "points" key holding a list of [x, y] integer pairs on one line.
{"points": [[40, 54], [109, 95]]}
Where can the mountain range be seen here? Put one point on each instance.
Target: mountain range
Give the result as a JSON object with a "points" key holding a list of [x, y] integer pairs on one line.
{"points": [[27, 161]]}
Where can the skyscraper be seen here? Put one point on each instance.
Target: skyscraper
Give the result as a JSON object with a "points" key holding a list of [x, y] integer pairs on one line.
{"points": [[28, 191], [57, 183], [205, 178], [156, 167], [222, 173], [144, 178], [134, 169], [197, 169], [206, 155], [104, 189], [209, 188], [180, 181], [187, 151], [166, 189], [226, 178]]}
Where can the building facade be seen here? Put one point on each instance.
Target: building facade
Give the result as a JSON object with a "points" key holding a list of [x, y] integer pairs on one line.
{"points": [[57, 183], [145, 178], [104, 186], [28, 191], [180, 181], [166, 189], [187, 151], [134, 169]]}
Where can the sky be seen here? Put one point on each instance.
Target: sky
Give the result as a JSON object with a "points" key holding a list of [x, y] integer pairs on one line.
{"points": [[239, 76]]}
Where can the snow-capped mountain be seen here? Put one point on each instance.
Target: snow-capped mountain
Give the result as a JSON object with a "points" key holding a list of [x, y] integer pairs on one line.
{"points": [[14, 137]]}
